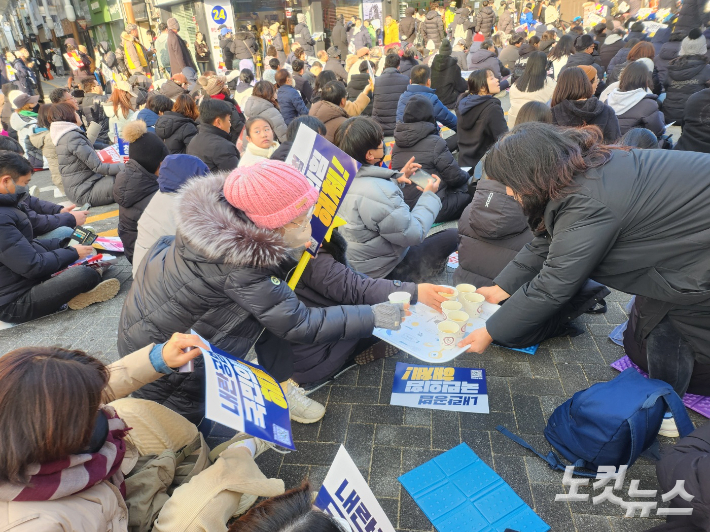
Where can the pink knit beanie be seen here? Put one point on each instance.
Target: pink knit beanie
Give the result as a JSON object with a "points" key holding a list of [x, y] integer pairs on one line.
{"points": [[270, 193]]}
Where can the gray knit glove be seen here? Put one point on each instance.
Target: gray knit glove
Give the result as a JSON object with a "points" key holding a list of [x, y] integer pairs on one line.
{"points": [[388, 315]]}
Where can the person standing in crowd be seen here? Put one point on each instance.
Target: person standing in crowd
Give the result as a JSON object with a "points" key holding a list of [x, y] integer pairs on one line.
{"points": [[133, 50], [552, 14], [290, 101], [262, 103], [480, 117], [408, 26], [339, 37], [284, 148], [27, 291], [261, 144], [233, 274], [58, 64], [161, 47], [418, 136], [687, 74], [371, 30], [433, 26], [386, 239], [506, 23], [24, 78], [574, 105], [136, 183], [360, 36], [533, 86], [245, 48], [596, 210], [420, 83], [24, 119], [302, 35], [225, 43], [632, 102], [391, 30], [485, 19], [177, 49], [462, 27], [333, 64], [213, 144], [202, 52], [446, 77], [695, 135], [389, 88], [278, 42]]}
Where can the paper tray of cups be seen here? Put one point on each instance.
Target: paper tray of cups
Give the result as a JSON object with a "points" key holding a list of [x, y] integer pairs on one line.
{"points": [[419, 335]]}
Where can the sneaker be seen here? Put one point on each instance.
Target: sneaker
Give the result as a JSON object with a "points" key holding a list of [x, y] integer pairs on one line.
{"points": [[103, 292], [301, 408], [668, 427]]}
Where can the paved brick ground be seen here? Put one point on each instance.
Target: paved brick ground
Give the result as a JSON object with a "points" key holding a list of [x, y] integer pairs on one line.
{"points": [[386, 441]]}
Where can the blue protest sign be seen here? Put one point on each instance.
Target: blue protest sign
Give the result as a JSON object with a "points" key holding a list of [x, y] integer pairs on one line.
{"points": [[242, 396], [330, 170], [440, 388]]}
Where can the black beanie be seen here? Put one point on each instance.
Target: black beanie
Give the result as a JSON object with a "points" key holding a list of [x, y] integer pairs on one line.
{"points": [[445, 48], [146, 148]]}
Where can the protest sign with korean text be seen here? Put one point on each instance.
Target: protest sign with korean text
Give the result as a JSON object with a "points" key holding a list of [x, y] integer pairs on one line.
{"points": [[330, 170], [346, 495], [440, 388], [244, 397]]}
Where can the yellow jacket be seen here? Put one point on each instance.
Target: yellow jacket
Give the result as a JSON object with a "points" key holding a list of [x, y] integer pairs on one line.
{"points": [[391, 32]]}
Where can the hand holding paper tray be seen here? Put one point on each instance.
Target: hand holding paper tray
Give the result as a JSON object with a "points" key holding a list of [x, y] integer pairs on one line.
{"points": [[244, 397]]}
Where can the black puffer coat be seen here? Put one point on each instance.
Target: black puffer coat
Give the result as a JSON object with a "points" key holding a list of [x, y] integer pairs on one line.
{"points": [[686, 75], [214, 147], [133, 189], [492, 230], [24, 261], [418, 136], [338, 284], [609, 49], [644, 113], [227, 285], [580, 58], [226, 45], [407, 26], [339, 37], [480, 122], [669, 51], [433, 28], [696, 125], [590, 112], [485, 20], [45, 216], [616, 74], [690, 16], [357, 84], [176, 130], [446, 79], [389, 87]]}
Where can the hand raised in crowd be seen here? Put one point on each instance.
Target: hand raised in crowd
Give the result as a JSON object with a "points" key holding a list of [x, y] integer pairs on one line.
{"points": [[433, 184], [173, 350], [430, 295], [408, 169], [477, 341], [493, 294], [370, 87], [84, 251]]}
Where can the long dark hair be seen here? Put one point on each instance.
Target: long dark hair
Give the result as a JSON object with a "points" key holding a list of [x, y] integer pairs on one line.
{"points": [[635, 76], [49, 399], [563, 47], [534, 112], [477, 80], [535, 74], [572, 84], [539, 162], [322, 79]]}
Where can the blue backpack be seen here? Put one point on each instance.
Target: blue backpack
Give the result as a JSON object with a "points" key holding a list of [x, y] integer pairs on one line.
{"points": [[610, 423]]}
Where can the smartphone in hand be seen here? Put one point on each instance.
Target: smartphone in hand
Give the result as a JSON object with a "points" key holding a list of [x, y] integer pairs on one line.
{"points": [[420, 178]]}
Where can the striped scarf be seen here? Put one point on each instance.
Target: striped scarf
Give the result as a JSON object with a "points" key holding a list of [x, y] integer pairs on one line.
{"points": [[75, 473]]}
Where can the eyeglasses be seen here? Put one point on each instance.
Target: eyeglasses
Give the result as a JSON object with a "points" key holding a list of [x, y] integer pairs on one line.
{"points": [[306, 222]]}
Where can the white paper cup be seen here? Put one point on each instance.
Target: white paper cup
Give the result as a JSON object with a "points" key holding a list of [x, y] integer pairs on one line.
{"points": [[448, 334], [460, 318], [448, 306], [450, 297], [473, 304], [464, 289], [400, 297]]}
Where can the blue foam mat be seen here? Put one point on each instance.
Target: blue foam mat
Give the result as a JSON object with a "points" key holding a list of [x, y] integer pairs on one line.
{"points": [[458, 492]]}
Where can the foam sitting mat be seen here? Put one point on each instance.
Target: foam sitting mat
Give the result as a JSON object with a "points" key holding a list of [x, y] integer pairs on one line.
{"points": [[459, 492], [697, 403]]}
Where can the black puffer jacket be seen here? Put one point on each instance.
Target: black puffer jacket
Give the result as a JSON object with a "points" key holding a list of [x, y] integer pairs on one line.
{"points": [[480, 122], [215, 148], [226, 45], [446, 79], [244, 45], [580, 58], [686, 75], [45, 216], [227, 285], [492, 230], [333, 64], [24, 261], [339, 37], [485, 20], [357, 84], [338, 284], [418, 136], [133, 190], [669, 51], [616, 74], [433, 28], [407, 26], [690, 15], [590, 112], [389, 87], [176, 130], [696, 125], [609, 49], [636, 109]]}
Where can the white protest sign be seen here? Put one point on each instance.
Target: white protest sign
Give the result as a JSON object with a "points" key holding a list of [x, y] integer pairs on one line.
{"points": [[345, 494]]}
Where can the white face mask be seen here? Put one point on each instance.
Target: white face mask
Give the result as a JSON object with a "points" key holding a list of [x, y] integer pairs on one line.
{"points": [[297, 234]]}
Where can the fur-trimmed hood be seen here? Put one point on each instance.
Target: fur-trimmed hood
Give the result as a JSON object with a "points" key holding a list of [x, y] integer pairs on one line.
{"points": [[217, 232]]}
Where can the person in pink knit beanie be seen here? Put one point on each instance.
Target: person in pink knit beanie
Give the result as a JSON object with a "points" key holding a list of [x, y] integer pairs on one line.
{"points": [[225, 275]]}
